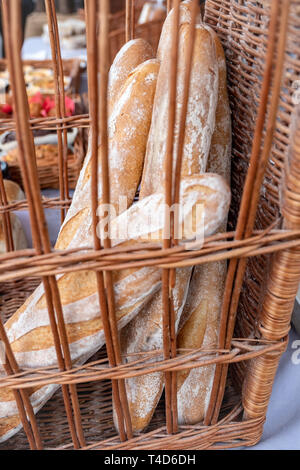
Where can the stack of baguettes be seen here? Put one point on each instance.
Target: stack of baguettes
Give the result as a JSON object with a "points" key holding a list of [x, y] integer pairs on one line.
{"points": [[138, 99]]}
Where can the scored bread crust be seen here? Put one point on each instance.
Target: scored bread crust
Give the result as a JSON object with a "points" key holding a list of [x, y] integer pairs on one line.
{"points": [[200, 120], [145, 391], [201, 315], [30, 337], [132, 54]]}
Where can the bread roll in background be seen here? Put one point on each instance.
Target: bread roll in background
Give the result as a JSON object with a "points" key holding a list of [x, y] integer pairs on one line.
{"points": [[144, 391], [13, 193], [28, 330], [201, 316], [152, 12]]}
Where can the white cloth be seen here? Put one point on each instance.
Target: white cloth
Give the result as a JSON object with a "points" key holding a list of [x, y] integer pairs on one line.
{"points": [[36, 49]]}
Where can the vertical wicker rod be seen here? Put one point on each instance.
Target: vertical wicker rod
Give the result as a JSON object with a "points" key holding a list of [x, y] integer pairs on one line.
{"points": [[22, 400], [26, 180], [262, 163], [128, 20], [274, 322], [169, 5], [104, 150], [29, 170], [253, 182], [178, 165], [92, 50], [169, 335], [183, 114], [59, 101], [57, 105], [132, 29]]}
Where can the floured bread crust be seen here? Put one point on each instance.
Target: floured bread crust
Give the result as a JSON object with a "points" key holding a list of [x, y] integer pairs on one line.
{"points": [[144, 332], [13, 191], [145, 391], [201, 315], [185, 16], [132, 54], [28, 329], [202, 103], [128, 128]]}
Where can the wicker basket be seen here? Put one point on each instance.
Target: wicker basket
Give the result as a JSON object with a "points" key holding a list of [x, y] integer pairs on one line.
{"points": [[261, 41], [47, 165], [118, 33], [149, 31], [71, 68]]}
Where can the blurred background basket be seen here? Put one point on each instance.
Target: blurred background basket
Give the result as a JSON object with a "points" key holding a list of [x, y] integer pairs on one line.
{"points": [[262, 43], [47, 162]]}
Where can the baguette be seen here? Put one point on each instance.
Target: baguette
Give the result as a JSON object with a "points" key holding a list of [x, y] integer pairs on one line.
{"points": [[145, 391], [202, 310], [128, 129], [200, 122], [185, 16], [29, 331], [29, 328]]}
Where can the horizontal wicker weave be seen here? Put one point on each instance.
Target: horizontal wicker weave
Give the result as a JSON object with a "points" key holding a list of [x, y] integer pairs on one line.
{"points": [[262, 43]]}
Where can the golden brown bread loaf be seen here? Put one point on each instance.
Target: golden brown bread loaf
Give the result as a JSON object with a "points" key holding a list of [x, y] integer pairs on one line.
{"points": [[152, 12], [145, 391], [144, 332], [202, 104], [185, 16], [13, 193], [128, 129], [132, 54], [28, 330], [203, 306]]}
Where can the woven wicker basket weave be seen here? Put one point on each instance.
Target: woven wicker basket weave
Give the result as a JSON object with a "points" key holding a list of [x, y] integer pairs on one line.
{"points": [[71, 68], [48, 170], [261, 42]]}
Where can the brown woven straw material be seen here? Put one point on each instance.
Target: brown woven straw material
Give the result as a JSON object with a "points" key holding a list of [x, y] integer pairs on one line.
{"points": [[262, 43]]}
